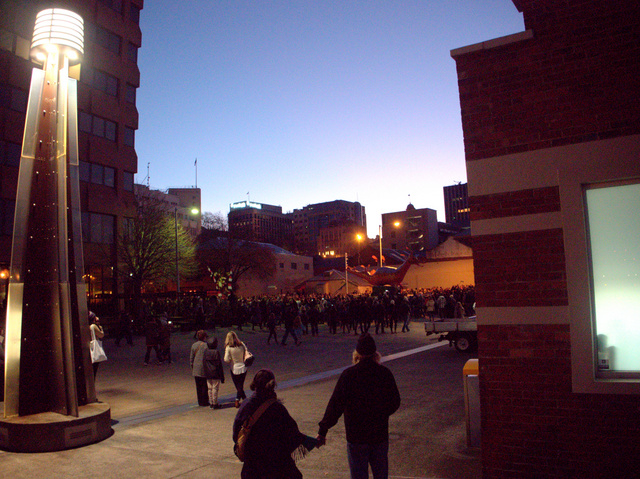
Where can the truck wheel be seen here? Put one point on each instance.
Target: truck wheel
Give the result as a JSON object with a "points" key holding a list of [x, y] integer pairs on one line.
{"points": [[463, 343]]}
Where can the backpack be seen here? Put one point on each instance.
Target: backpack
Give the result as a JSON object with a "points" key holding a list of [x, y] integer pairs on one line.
{"points": [[239, 447]]}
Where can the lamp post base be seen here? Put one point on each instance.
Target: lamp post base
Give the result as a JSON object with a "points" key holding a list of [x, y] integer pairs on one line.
{"points": [[50, 431]]}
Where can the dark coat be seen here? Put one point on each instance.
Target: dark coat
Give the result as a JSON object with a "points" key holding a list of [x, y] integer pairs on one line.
{"points": [[272, 440], [213, 365], [367, 395]]}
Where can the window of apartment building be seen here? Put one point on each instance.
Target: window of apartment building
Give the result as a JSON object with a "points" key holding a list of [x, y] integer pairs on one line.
{"points": [[128, 227], [132, 52], [127, 181], [103, 37], [306, 266], [281, 265], [13, 98], [98, 228], [97, 126], [15, 44], [129, 136], [130, 93], [97, 174], [614, 253], [115, 5], [10, 153], [99, 281], [7, 210], [106, 83], [294, 265]]}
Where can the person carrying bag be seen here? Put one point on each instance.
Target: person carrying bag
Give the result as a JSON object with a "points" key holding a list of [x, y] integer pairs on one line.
{"points": [[95, 346]]}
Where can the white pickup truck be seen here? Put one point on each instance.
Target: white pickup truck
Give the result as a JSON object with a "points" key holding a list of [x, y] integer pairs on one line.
{"points": [[461, 333]]}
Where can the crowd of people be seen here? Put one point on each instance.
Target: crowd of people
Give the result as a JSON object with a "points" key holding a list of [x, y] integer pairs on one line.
{"points": [[301, 314]]}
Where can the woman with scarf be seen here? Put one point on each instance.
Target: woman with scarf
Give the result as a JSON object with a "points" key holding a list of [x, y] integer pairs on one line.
{"points": [[274, 443]]}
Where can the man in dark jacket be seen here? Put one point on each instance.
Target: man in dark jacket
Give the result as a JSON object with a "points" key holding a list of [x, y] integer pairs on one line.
{"points": [[367, 394]]}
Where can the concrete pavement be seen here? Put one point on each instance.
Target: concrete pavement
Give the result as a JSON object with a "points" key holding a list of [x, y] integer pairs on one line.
{"points": [[160, 432]]}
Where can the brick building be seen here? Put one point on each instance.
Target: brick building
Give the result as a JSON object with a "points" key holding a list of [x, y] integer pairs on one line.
{"points": [[309, 221], [456, 205], [107, 120], [260, 222], [551, 122], [413, 229]]}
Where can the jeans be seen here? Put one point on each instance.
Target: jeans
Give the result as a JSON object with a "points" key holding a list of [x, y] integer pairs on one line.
{"points": [[361, 455], [238, 382]]}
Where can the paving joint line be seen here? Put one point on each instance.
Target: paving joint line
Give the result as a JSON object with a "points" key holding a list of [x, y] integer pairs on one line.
{"points": [[291, 383]]}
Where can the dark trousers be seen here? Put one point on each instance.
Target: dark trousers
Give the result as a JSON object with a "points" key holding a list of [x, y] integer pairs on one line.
{"points": [[238, 382], [148, 354], [286, 335], [272, 334], [202, 390]]}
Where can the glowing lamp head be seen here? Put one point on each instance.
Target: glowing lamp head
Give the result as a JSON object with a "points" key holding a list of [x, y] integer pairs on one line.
{"points": [[61, 30]]}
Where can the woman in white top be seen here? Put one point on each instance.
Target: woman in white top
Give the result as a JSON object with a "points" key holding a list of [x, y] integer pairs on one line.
{"points": [[97, 330], [234, 354]]}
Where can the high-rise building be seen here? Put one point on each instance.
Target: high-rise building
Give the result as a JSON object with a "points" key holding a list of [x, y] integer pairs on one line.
{"points": [[259, 222], [456, 205], [107, 121], [311, 219], [413, 230]]}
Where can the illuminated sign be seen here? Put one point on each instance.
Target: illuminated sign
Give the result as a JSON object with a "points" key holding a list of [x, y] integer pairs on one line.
{"points": [[246, 204]]}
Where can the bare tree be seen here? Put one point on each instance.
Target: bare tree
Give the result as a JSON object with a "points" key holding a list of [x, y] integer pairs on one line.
{"points": [[214, 221], [147, 248], [237, 257]]}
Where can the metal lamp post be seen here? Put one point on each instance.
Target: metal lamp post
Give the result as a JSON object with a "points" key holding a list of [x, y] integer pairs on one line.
{"points": [[175, 217], [194, 211], [47, 334], [380, 239]]}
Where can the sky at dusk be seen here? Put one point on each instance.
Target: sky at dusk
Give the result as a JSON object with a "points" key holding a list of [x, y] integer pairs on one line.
{"points": [[291, 103]]}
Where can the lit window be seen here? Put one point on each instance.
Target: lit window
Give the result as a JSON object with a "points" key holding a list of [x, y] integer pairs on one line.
{"points": [[614, 249]]}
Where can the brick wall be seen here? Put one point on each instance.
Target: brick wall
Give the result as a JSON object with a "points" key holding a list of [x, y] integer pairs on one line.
{"points": [[564, 86], [574, 79], [515, 203], [537, 428], [520, 269]]}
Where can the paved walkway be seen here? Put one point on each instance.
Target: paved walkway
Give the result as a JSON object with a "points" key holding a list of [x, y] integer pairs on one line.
{"points": [[160, 432]]}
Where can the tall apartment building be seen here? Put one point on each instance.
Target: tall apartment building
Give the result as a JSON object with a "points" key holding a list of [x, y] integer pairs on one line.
{"points": [[551, 122], [410, 230], [107, 121], [310, 220], [260, 222], [456, 205]]}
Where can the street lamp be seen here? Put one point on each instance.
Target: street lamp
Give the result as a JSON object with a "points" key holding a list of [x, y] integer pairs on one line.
{"points": [[396, 224], [359, 238]]}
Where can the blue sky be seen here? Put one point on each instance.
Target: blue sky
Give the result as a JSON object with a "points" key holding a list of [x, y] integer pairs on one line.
{"points": [[301, 102]]}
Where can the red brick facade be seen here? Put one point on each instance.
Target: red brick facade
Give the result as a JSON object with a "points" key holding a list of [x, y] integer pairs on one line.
{"points": [[533, 426], [572, 79], [520, 269], [515, 203], [584, 58]]}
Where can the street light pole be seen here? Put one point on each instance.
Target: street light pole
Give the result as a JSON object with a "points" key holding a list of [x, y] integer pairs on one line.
{"points": [[380, 238], [175, 217]]}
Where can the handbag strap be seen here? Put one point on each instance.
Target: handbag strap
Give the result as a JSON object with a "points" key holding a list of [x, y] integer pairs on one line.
{"points": [[263, 407]]}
